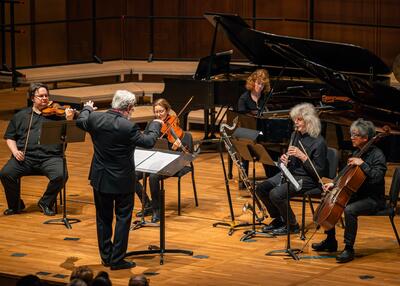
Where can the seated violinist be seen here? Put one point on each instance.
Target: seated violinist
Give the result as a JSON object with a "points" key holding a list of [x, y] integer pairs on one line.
{"points": [[369, 198], [301, 163], [171, 130], [29, 157]]}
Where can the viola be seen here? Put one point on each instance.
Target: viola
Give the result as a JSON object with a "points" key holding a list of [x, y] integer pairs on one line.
{"points": [[55, 109], [171, 130], [352, 177]]}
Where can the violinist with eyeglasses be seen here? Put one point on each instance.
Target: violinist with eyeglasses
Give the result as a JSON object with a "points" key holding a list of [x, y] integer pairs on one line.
{"points": [[370, 196], [29, 157], [301, 163], [174, 134]]}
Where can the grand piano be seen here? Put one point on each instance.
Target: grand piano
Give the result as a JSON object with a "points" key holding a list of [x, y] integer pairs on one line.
{"points": [[350, 78]]}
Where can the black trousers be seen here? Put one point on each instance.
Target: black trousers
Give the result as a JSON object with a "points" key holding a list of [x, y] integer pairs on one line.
{"points": [[13, 170], [355, 208], [154, 181], [113, 251], [273, 194]]}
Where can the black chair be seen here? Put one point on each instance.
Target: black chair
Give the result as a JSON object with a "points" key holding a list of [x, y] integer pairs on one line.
{"points": [[187, 141], [333, 160], [391, 204]]}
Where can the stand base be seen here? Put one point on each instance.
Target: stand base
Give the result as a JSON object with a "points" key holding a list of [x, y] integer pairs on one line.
{"points": [[232, 225], [252, 233], [289, 251], [66, 221], [153, 249], [142, 223]]}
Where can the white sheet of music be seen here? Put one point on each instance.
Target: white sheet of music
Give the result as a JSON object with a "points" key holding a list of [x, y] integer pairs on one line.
{"points": [[153, 162], [290, 177], [141, 155]]}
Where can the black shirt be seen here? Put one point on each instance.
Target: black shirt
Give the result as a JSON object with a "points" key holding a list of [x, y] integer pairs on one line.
{"points": [[17, 131], [317, 152], [247, 104]]}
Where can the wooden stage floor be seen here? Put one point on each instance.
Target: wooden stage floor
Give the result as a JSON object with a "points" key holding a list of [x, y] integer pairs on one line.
{"points": [[27, 246]]}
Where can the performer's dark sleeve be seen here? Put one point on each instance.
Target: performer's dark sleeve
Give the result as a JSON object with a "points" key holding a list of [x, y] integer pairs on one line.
{"points": [[242, 103], [11, 132], [83, 118], [148, 139], [375, 167]]}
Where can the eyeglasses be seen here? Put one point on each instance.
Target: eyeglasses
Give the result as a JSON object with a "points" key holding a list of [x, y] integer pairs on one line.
{"points": [[355, 135]]}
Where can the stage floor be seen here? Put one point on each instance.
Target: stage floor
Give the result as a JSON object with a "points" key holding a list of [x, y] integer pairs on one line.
{"points": [[27, 246]]}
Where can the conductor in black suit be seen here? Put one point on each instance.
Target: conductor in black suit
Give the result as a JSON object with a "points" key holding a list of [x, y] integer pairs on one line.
{"points": [[112, 171]]}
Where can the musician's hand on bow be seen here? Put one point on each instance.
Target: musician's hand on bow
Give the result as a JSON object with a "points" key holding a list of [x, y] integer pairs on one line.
{"points": [[355, 161], [296, 152], [19, 155], [326, 189], [69, 113], [284, 159]]}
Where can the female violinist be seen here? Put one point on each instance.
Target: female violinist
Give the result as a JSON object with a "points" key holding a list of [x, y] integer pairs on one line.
{"points": [[171, 130], [370, 196]]}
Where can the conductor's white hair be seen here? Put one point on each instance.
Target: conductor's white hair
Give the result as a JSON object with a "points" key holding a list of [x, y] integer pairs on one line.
{"points": [[309, 114], [122, 99]]}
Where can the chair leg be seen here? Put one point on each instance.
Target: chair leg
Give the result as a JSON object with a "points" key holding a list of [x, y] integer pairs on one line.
{"points": [[179, 196], [394, 229], [311, 204], [303, 219], [194, 188]]}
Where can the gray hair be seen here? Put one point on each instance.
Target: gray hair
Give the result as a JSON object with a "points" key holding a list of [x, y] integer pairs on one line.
{"points": [[309, 114], [366, 129], [123, 99]]}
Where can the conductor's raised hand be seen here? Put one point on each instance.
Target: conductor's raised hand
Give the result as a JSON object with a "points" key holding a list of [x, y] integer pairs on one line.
{"points": [[90, 104]]}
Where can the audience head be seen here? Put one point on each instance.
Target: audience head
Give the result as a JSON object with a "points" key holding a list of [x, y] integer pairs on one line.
{"points": [[363, 128], [101, 279], [138, 280], [306, 120], [82, 272], [29, 280]]}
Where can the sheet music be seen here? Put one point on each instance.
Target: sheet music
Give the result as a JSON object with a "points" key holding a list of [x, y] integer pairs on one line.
{"points": [[156, 162], [141, 155], [289, 176]]}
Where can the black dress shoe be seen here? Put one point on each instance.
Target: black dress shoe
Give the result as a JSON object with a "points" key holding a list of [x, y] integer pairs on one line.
{"points": [[276, 223], [346, 256], [46, 209], [155, 218], [105, 263], [123, 264], [325, 245], [147, 211], [15, 211], [283, 230]]}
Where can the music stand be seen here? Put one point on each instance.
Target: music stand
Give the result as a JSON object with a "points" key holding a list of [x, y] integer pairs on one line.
{"points": [[287, 178], [164, 163], [62, 132], [255, 152], [161, 144]]}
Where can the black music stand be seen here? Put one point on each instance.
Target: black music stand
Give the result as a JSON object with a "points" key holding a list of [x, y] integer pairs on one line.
{"points": [[161, 144], [250, 150], [62, 132], [166, 164], [288, 178]]}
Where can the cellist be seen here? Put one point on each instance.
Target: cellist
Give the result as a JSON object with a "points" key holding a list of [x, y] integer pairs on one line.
{"points": [[370, 196]]}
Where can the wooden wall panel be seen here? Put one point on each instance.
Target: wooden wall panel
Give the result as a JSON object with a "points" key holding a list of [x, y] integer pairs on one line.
{"points": [[347, 11], [80, 41], [297, 9], [390, 45], [390, 12], [109, 39], [51, 46], [136, 39]]}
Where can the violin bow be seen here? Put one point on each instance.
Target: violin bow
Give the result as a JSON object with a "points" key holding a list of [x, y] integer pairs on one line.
{"points": [[28, 132], [179, 114], [311, 163]]}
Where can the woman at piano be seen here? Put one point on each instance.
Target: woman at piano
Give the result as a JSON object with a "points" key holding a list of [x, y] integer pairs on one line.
{"points": [[171, 130], [257, 89]]}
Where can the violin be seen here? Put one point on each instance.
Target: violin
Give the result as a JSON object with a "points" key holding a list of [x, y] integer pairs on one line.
{"points": [[55, 109], [171, 130]]}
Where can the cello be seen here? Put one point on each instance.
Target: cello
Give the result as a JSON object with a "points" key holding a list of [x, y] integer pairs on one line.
{"points": [[348, 182]]}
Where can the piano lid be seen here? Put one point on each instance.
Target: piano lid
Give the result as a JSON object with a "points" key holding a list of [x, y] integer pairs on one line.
{"points": [[253, 45]]}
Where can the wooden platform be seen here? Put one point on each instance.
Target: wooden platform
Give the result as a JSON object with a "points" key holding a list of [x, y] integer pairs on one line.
{"points": [[27, 246], [107, 68]]}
